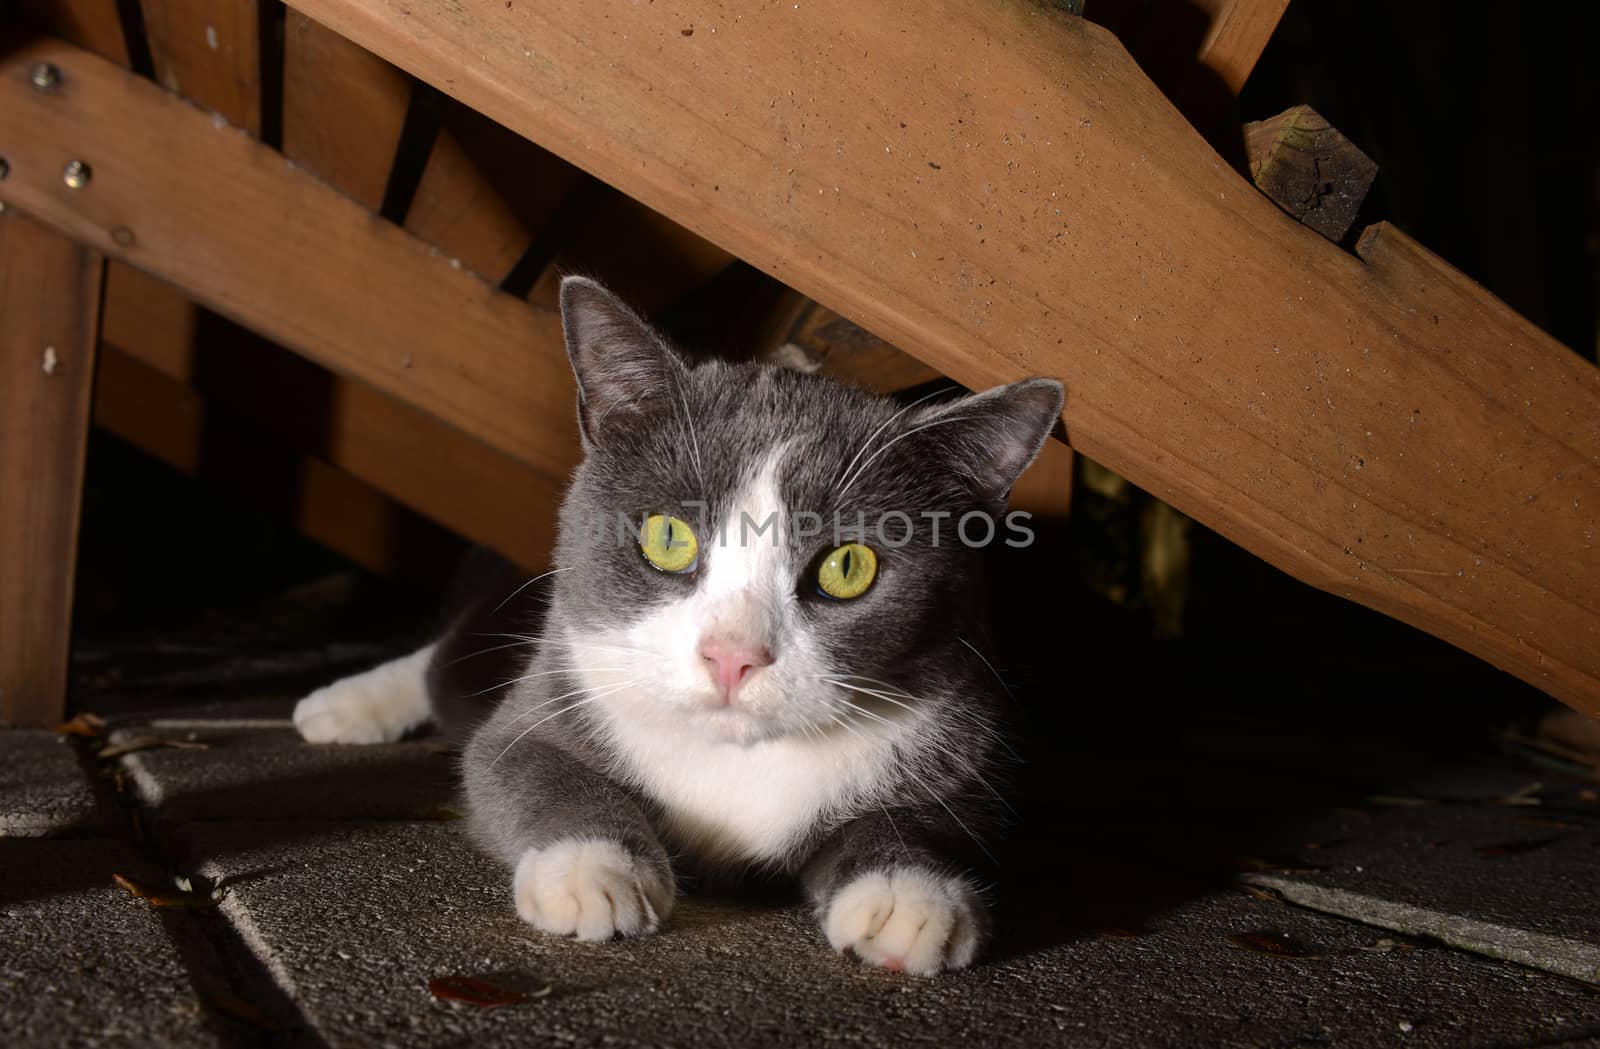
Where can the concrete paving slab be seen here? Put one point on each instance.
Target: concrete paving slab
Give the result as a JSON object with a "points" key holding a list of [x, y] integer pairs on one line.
{"points": [[1511, 881], [261, 771], [43, 788], [83, 963], [355, 920]]}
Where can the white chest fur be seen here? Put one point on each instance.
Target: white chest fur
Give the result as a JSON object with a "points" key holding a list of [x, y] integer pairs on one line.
{"points": [[750, 802]]}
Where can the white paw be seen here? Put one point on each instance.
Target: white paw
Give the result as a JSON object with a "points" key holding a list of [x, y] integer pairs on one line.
{"points": [[378, 706], [590, 888], [906, 919]]}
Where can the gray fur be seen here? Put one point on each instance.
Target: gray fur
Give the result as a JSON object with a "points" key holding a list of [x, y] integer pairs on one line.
{"points": [[659, 431]]}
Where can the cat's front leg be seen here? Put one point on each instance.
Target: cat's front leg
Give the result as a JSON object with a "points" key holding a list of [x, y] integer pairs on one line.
{"points": [[886, 897], [585, 861]]}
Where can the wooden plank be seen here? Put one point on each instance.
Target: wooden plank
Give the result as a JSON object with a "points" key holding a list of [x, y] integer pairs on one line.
{"points": [[269, 245], [343, 108], [1173, 39], [648, 259], [407, 455], [209, 51], [1236, 35], [169, 421], [486, 193], [49, 305], [1045, 210], [91, 24]]}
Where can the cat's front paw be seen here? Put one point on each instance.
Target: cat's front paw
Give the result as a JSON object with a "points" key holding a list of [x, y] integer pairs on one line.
{"points": [[591, 889], [907, 919]]}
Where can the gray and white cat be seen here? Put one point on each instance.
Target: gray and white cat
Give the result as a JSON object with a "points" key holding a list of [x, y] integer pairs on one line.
{"points": [[774, 665]]}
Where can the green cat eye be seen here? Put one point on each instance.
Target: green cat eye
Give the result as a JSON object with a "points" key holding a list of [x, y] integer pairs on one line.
{"points": [[848, 571], [669, 543]]}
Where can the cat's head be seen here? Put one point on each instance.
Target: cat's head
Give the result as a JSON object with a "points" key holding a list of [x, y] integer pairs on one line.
{"points": [[748, 551]]}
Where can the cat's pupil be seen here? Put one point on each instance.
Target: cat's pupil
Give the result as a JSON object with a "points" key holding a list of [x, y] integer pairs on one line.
{"points": [[845, 564]]}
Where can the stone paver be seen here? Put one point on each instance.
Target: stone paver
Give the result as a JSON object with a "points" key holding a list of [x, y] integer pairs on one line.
{"points": [[82, 963], [356, 919], [1510, 881], [263, 771], [43, 790]]}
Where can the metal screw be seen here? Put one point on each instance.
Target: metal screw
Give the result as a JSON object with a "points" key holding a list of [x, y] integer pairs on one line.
{"points": [[45, 76], [75, 174]]}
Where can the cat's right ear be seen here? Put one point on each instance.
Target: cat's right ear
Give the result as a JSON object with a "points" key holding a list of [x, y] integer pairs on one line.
{"points": [[624, 368]]}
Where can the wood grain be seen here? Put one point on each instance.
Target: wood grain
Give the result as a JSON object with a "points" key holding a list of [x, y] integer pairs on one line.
{"points": [[270, 246], [998, 189], [209, 51], [1237, 34], [406, 454], [49, 305], [343, 108]]}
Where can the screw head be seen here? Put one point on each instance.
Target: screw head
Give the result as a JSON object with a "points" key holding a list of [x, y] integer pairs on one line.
{"points": [[75, 174], [45, 76]]}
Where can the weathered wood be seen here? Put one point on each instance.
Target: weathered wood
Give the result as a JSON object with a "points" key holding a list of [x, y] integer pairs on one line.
{"points": [[49, 305], [343, 108], [1045, 210], [267, 244], [409, 456], [209, 51], [1309, 169], [171, 422]]}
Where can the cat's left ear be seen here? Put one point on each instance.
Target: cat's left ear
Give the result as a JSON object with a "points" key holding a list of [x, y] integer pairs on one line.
{"points": [[992, 436], [624, 369]]}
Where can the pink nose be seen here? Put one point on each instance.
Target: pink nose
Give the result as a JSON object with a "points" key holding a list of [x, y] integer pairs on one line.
{"points": [[731, 662]]}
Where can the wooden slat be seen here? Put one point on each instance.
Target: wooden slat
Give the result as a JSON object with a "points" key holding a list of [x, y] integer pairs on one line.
{"points": [[91, 24], [169, 421], [343, 108], [644, 256], [1237, 34], [407, 455], [49, 305], [486, 193], [1044, 209], [209, 51], [278, 251]]}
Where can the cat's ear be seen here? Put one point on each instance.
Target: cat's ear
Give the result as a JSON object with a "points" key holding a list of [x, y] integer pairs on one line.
{"points": [[624, 368], [993, 436]]}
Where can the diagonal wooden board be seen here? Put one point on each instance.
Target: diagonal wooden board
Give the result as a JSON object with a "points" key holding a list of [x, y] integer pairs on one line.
{"points": [[184, 196], [998, 189]]}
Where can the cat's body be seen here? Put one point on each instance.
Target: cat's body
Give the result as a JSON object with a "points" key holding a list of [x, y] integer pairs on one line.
{"points": [[699, 694]]}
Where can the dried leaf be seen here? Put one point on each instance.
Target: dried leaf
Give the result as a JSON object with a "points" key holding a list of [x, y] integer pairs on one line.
{"points": [[128, 746], [1514, 848], [1264, 895], [474, 991], [240, 1009], [85, 724], [159, 898], [1276, 944], [1115, 932]]}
